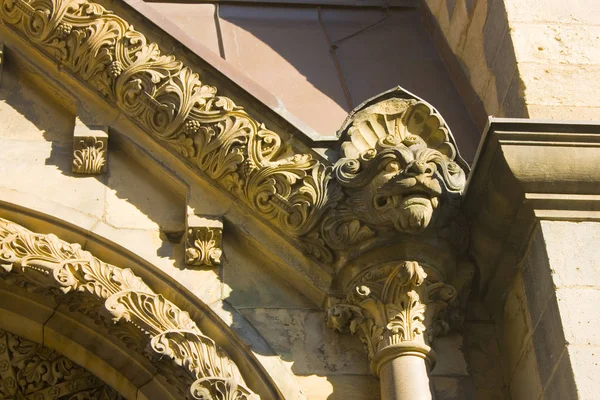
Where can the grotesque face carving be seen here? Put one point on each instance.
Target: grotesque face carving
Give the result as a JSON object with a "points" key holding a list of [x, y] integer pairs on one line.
{"points": [[395, 178], [405, 192]]}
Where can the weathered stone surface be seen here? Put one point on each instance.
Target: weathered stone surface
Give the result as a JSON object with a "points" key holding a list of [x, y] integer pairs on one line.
{"points": [[579, 315], [542, 51], [450, 357], [137, 199], [586, 369], [562, 383], [516, 326], [525, 382], [575, 262], [306, 345], [453, 388], [484, 360], [549, 340], [340, 387]]}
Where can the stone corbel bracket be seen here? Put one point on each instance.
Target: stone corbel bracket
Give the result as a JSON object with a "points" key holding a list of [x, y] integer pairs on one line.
{"points": [[90, 149], [45, 264], [203, 241]]}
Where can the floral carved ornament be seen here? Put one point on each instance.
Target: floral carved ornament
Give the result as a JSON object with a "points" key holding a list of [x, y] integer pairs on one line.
{"points": [[46, 264], [396, 167], [393, 309], [31, 371]]}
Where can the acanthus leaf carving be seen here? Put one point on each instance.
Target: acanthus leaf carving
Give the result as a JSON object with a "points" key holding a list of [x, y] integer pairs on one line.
{"points": [[52, 266], [399, 161], [90, 156], [392, 307], [203, 246], [30, 370]]}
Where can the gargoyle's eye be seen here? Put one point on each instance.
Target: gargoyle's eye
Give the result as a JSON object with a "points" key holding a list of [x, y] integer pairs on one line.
{"points": [[380, 201]]}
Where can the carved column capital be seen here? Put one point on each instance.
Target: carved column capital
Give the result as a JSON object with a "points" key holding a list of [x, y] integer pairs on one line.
{"points": [[395, 310]]}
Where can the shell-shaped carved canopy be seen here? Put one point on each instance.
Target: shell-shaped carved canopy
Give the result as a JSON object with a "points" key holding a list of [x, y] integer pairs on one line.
{"points": [[396, 116]]}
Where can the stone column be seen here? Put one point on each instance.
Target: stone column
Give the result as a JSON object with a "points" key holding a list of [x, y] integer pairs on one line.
{"points": [[396, 311]]}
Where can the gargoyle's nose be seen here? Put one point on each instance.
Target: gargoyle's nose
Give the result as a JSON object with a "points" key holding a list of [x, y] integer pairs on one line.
{"points": [[419, 168]]}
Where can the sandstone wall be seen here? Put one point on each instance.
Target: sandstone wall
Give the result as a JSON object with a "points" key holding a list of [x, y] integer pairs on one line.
{"points": [[524, 58], [549, 330]]}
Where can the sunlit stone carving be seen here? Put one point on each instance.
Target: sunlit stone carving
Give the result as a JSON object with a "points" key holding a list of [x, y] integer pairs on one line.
{"points": [[48, 265]]}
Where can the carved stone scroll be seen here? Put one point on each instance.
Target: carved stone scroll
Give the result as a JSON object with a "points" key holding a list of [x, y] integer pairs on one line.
{"points": [[203, 241], [398, 165], [90, 149], [46, 264], [31, 371], [394, 309]]}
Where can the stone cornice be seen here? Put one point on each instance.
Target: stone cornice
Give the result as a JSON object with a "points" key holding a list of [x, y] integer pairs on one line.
{"points": [[526, 171], [48, 265], [334, 211]]}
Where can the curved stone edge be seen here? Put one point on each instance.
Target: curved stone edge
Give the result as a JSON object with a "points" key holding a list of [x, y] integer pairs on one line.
{"points": [[46, 264]]}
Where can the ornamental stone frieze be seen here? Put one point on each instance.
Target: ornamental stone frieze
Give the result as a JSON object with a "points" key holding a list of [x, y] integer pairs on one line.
{"points": [[29, 370], [111, 295], [398, 170]]}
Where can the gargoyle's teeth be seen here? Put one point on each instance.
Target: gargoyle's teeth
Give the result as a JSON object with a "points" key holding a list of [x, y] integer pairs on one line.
{"points": [[434, 202]]}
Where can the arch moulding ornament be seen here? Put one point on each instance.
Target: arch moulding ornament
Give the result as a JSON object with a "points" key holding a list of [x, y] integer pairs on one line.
{"points": [[382, 183], [45, 264]]}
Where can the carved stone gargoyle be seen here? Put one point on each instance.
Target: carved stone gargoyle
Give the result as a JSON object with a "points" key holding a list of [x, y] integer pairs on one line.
{"points": [[402, 273], [399, 171]]}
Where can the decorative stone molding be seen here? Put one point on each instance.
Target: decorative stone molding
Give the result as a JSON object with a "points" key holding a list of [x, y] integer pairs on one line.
{"points": [[90, 149], [203, 241], [46, 264], [386, 180], [394, 310], [31, 371], [527, 171]]}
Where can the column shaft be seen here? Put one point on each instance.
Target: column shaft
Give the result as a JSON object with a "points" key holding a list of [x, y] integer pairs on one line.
{"points": [[405, 378]]}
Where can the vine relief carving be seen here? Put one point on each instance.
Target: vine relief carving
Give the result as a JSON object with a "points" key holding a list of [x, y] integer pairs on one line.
{"points": [[46, 264], [393, 308], [31, 371], [398, 166]]}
